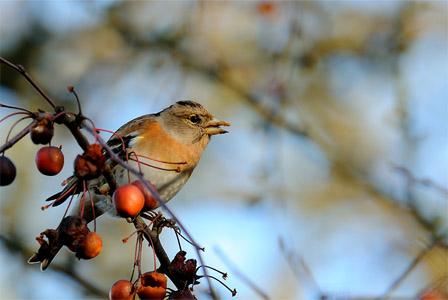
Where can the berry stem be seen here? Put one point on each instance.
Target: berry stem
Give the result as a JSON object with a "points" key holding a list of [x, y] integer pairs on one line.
{"points": [[93, 125], [69, 204], [114, 133], [225, 285], [158, 168], [83, 199], [191, 243], [22, 71], [162, 161], [16, 107], [13, 114], [14, 125], [11, 142], [135, 260], [93, 208], [71, 89], [224, 275], [136, 159]]}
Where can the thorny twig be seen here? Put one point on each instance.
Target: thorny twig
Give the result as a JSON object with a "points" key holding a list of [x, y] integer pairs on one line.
{"points": [[22, 71]]}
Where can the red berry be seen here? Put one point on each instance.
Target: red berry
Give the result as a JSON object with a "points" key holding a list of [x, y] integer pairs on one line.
{"points": [[266, 7], [122, 289], [152, 286], [150, 201], [7, 171], [90, 247], [42, 132], [128, 200], [49, 160]]}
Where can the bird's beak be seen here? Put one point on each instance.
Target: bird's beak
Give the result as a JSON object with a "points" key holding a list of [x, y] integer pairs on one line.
{"points": [[212, 127]]}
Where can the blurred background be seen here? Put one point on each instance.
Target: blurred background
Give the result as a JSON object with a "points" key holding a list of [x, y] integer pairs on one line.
{"points": [[332, 182]]}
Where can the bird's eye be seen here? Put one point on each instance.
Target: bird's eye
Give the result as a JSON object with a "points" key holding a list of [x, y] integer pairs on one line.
{"points": [[194, 119]]}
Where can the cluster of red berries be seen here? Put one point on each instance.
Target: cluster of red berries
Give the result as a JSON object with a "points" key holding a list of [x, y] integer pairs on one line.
{"points": [[153, 285], [150, 285], [74, 233], [49, 159], [131, 199]]}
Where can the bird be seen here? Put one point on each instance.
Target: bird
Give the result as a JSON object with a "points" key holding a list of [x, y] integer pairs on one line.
{"points": [[166, 147]]}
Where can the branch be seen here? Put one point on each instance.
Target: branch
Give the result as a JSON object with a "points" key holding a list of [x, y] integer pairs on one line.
{"points": [[408, 270], [22, 71], [250, 283], [17, 137]]}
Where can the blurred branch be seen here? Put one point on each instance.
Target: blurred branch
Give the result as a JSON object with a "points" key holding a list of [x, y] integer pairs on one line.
{"points": [[317, 51], [23, 72], [408, 270], [301, 270], [239, 274], [216, 75], [424, 182]]}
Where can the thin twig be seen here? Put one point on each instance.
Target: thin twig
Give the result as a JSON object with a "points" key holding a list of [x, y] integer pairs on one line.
{"points": [[71, 89], [17, 137], [425, 182], [22, 71], [240, 274], [16, 107], [408, 270]]}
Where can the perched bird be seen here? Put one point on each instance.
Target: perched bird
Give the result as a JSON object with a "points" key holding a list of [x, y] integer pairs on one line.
{"points": [[165, 147]]}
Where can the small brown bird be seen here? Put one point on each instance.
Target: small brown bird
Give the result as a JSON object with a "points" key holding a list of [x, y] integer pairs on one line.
{"points": [[176, 136]]}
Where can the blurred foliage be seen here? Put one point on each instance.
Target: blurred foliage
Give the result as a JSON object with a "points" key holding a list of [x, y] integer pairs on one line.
{"points": [[326, 99]]}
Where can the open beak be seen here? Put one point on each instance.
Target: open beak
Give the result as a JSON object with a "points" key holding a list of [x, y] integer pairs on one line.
{"points": [[212, 127]]}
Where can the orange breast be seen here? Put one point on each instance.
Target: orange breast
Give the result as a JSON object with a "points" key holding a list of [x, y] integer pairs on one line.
{"points": [[157, 144]]}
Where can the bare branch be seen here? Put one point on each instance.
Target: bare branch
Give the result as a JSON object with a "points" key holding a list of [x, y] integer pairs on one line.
{"points": [[17, 137], [22, 71], [408, 270]]}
